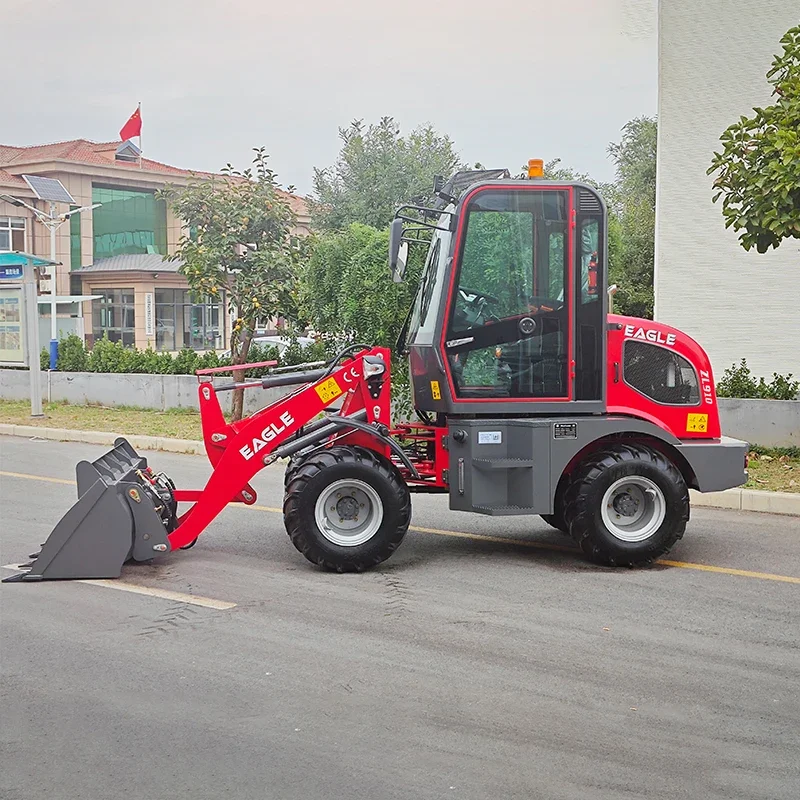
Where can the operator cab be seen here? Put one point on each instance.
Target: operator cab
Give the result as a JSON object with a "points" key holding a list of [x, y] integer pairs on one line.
{"points": [[509, 316]]}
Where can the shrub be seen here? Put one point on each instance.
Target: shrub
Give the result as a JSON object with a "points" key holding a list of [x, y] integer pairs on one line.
{"points": [[108, 356], [158, 363], [105, 356], [739, 381], [72, 355], [185, 362]]}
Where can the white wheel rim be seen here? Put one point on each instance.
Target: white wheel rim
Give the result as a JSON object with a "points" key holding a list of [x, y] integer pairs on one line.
{"points": [[348, 512], [633, 508]]}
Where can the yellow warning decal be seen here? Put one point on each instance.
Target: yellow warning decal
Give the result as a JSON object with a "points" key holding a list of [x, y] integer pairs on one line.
{"points": [[697, 423], [436, 393], [328, 391]]}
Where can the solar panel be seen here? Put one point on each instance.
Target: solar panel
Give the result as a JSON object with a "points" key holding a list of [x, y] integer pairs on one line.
{"points": [[48, 189]]}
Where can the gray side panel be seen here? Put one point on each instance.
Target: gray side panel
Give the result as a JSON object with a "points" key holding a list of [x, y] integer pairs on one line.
{"points": [[501, 467], [513, 466], [717, 465], [590, 429], [520, 473]]}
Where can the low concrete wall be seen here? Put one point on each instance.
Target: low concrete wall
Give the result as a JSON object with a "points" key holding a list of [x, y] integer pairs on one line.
{"points": [[771, 423], [159, 392]]}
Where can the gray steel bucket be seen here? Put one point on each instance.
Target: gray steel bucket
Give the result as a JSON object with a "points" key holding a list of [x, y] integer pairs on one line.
{"points": [[120, 515]]}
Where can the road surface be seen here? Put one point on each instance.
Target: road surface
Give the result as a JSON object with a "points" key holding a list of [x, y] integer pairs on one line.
{"points": [[485, 660]]}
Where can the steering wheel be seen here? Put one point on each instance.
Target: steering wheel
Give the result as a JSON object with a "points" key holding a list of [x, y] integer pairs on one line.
{"points": [[473, 309]]}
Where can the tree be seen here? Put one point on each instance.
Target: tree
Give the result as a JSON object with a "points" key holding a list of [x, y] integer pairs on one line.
{"points": [[347, 291], [377, 170], [632, 217], [758, 170], [238, 242]]}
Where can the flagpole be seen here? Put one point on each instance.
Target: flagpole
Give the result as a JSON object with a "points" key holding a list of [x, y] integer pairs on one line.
{"points": [[140, 135]]}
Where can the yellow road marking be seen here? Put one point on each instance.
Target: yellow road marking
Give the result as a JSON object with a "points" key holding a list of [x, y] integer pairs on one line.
{"points": [[497, 539], [149, 591], [35, 477], [166, 594], [743, 573]]}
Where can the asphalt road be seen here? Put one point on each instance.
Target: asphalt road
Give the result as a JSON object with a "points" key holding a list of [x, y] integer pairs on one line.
{"points": [[462, 668]]}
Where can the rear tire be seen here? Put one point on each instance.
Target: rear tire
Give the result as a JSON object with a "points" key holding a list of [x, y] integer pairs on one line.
{"points": [[346, 508], [556, 519], [626, 505]]}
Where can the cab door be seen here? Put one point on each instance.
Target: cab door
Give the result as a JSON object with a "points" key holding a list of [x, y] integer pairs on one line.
{"points": [[508, 334]]}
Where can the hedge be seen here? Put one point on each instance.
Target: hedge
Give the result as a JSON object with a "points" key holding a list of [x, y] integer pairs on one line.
{"points": [[107, 356], [739, 381]]}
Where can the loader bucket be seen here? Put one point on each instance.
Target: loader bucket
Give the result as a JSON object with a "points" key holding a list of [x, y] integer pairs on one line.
{"points": [[122, 513]]}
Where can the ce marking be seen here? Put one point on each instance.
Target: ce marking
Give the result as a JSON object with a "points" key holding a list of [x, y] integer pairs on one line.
{"points": [[351, 375]]}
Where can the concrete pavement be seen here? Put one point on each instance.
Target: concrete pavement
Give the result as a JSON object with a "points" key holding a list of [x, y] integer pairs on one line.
{"points": [[484, 660]]}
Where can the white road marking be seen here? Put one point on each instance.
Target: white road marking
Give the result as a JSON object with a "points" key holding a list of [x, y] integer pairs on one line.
{"points": [[165, 594]]}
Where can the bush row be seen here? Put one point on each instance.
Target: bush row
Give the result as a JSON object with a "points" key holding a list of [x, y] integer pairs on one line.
{"points": [[107, 356], [739, 381]]}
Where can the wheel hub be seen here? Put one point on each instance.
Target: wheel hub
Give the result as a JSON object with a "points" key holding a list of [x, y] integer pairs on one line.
{"points": [[347, 508], [349, 512], [625, 505], [633, 508]]}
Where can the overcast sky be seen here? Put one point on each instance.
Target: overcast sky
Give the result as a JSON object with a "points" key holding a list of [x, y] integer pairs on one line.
{"points": [[508, 80]]}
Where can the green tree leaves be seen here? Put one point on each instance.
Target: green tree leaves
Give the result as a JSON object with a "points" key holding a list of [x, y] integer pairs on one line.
{"points": [[378, 170], [239, 243], [758, 170], [346, 290], [632, 218]]}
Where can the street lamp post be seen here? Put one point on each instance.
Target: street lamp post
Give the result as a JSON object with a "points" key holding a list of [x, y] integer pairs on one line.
{"points": [[52, 221]]}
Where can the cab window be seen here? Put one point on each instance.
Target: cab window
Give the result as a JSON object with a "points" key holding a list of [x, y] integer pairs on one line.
{"points": [[507, 334]]}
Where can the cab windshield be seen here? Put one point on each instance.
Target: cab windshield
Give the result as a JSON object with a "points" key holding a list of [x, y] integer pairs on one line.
{"points": [[423, 314]]}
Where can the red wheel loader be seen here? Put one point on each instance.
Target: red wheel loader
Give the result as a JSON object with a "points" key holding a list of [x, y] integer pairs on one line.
{"points": [[531, 399]]}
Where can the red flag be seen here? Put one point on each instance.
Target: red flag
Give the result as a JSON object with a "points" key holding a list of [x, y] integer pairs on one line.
{"points": [[133, 127]]}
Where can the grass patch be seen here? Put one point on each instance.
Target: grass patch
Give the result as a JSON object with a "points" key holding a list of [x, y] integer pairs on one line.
{"points": [[774, 470], [176, 423]]}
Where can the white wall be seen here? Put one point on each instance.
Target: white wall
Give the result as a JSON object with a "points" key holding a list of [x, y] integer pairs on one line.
{"points": [[714, 55]]}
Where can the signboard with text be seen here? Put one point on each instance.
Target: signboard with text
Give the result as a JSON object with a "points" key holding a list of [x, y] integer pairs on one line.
{"points": [[12, 331], [149, 315]]}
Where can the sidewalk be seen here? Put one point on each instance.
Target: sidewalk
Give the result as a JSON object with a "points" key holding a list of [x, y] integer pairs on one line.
{"points": [[734, 499]]}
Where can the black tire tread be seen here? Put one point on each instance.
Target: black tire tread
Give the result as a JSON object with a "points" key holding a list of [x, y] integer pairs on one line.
{"points": [[579, 516], [556, 519], [307, 469]]}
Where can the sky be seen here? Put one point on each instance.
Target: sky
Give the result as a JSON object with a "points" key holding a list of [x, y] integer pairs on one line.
{"points": [[507, 80]]}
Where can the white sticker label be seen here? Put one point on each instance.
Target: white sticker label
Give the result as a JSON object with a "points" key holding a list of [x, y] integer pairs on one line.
{"points": [[490, 437]]}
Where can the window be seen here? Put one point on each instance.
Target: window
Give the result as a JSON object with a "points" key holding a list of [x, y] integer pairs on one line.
{"points": [[181, 323], [590, 261], [589, 306], [422, 305], [114, 315], [129, 221], [660, 374], [74, 240], [12, 234], [507, 335]]}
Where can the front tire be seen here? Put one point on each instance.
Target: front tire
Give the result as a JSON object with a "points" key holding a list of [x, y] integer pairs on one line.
{"points": [[626, 506], [346, 509]]}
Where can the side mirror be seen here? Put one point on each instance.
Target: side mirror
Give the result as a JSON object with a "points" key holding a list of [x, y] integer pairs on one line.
{"points": [[398, 251]]}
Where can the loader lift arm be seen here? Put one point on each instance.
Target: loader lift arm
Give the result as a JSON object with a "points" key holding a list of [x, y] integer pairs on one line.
{"points": [[239, 450], [126, 511]]}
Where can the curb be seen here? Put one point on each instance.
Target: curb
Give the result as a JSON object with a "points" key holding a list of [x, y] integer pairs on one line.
{"points": [[732, 499], [749, 500], [163, 443]]}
